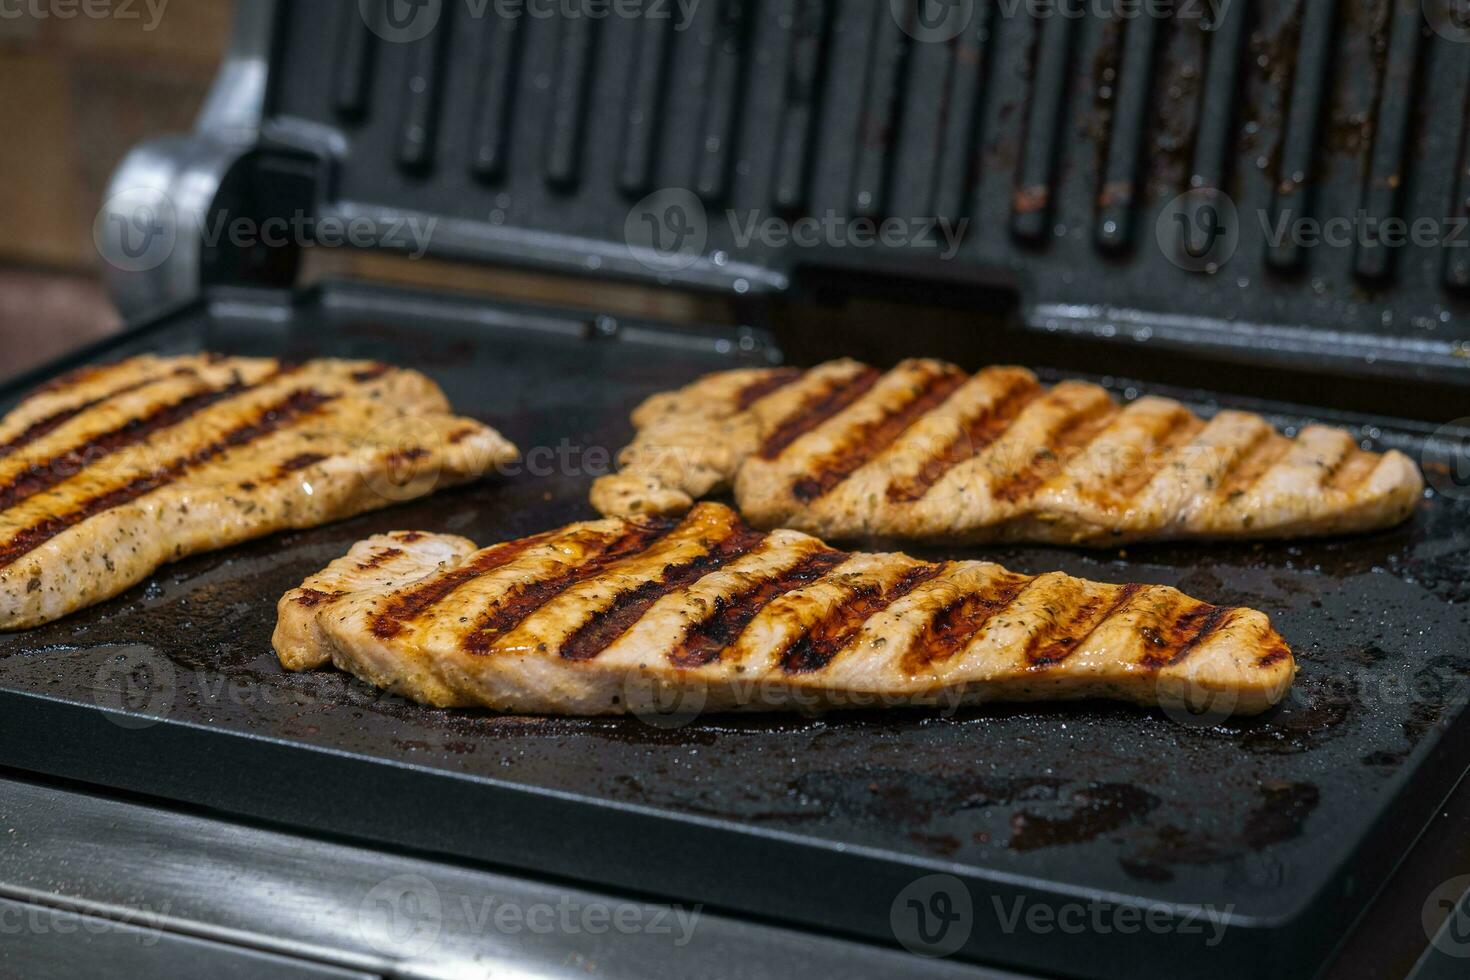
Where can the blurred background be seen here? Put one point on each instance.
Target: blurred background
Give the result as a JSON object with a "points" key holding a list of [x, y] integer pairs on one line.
{"points": [[78, 93]]}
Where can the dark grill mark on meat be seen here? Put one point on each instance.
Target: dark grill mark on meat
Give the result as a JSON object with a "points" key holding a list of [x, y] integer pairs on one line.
{"points": [[70, 379], [460, 435], [1274, 655], [815, 648], [44, 427], [414, 603], [59, 469], [525, 599], [1046, 462], [868, 440], [380, 558], [1183, 636], [371, 373], [311, 598], [297, 463], [978, 433], [816, 409], [1264, 452], [269, 420], [598, 633], [1059, 648], [705, 641], [400, 463], [957, 623], [768, 385]]}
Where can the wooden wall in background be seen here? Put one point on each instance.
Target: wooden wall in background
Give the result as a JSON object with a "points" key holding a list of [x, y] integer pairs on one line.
{"points": [[75, 93]]}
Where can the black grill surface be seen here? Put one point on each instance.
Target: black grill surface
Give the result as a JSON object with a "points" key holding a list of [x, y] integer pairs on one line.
{"points": [[1286, 823]]}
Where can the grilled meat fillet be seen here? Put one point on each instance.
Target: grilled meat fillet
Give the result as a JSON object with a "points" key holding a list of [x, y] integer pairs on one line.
{"points": [[706, 614], [926, 451], [111, 472]]}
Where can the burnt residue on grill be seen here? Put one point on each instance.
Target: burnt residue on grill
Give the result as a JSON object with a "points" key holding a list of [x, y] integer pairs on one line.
{"points": [[1088, 813]]}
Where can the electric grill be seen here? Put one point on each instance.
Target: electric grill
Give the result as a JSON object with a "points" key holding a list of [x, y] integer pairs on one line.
{"points": [[1065, 143]]}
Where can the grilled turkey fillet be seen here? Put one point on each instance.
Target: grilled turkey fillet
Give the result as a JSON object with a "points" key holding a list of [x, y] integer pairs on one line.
{"points": [[926, 451], [109, 473], [706, 614]]}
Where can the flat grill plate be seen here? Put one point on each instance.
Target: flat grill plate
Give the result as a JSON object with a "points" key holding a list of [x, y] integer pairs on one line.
{"points": [[1283, 824]]}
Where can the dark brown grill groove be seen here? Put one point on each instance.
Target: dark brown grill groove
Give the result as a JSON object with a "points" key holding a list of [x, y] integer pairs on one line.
{"points": [[816, 409], [954, 625], [705, 641], [272, 419], [1059, 648], [411, 605], [606, 626], [768, 385], [58, 469], [525, 599], [1186, 633], [871, 438], [44, 427], [815, 648], [977, 433]]}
